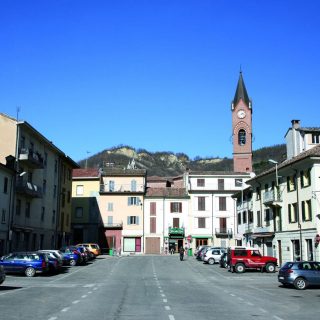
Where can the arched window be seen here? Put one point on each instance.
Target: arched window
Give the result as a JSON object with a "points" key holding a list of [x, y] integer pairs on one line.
{"points": [[242, 137]]}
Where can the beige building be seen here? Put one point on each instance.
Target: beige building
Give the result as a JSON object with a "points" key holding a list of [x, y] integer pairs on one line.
{"points": [[86, 219], [41, 202], [121, 209]]}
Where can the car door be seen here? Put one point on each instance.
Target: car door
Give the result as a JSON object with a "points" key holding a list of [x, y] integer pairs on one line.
{"points": [[8, 263], [316, 272]]}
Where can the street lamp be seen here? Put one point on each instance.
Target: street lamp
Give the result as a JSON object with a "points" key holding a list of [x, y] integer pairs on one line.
{"points": [[276, 163]]}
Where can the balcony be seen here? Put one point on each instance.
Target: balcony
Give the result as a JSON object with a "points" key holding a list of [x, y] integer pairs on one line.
{"points": [[176, 233], [113, 226], [223, 232], [245, 205], [28, 189], [31, 158], [272, 198], [121, 188]]}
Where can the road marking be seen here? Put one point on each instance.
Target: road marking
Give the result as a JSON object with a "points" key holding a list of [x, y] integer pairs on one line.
{"points": [[165, 300], [89, 292], [65, 309], [167, 308], [95, 288], [161, 291], [89, 285], [232, 295], [278, 318], [163, 295], [76, 301], [53, 318], [240, 299], [171, 317], [263, 310], [250, 304]]}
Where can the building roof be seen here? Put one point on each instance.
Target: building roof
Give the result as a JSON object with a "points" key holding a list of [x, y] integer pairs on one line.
{"points": [[218, 173], [123, 172], [241, 93], [86, 173], [309, 129], [167, 192], [313, 152]]}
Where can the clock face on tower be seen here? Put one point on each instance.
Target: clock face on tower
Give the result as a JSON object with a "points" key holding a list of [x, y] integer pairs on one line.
{"points": [[241, 114]]}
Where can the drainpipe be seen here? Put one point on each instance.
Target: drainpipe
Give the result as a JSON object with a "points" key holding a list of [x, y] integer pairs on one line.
{"points": [[212, 216], [298, 212]]}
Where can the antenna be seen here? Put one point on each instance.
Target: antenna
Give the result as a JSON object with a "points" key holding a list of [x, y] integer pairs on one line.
{"points": [[18, 111], [87, 159]]}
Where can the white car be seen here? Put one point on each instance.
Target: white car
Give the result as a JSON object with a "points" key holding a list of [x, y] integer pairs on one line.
{"points": [[213, 255]]}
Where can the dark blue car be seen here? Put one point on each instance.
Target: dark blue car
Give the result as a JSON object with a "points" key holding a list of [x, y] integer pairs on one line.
{"points": [[28, 263], [71, 256]]}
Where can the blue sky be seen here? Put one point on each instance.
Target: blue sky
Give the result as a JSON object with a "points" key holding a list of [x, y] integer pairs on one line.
{"points": [[159, 74]]}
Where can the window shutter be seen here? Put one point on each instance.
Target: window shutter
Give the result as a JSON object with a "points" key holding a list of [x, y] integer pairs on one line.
{"points": [[129, 201], [180, 206], [128, 220], [137, 220]]}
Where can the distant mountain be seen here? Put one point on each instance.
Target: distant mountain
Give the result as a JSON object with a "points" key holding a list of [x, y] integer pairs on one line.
{"points": [[164, 163]]}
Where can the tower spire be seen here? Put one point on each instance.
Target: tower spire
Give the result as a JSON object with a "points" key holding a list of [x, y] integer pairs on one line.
{"points": [[241, 92]]}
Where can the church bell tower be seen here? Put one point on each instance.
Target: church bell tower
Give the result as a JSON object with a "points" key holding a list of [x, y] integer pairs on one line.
{"points": [[241, 108]]}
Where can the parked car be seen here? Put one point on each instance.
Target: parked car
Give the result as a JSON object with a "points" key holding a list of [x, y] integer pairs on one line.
{"points": [[223, 260], [84, 253], [55, 260], [93, 247], [2, 274], [300, 274], [213, 255], [241, 258], [201, 252], [28, 263], [71, 256]]}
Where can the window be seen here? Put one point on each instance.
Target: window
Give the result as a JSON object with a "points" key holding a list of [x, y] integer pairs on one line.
{"points": [[133, 201], [258, 192], [176, 222], [267, 217], [296, 250], [222, 203], [305, 178], [153, 224], [5, 185], [176, 207], [201, 203], [306, 210], [293, 212], [239, 218], [42, 213], [241, 137], [238, 182], [201, 222], [200, 182], [133, 220], [244, 216], [79, 212], [18, 207], [110, 206], [28, 209], [220, 184], [111, 186], [79, 190], [250, 216], [291, 183], [110, 220], [153, 208], [315, 138], [259, 224], [3, 216], [133, 185]]}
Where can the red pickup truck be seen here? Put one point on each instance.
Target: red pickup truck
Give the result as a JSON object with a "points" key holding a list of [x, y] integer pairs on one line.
{"points": [[240, 258]]}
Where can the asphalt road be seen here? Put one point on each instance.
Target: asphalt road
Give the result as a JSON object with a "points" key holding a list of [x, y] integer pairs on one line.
{"points": [[153, 287]]}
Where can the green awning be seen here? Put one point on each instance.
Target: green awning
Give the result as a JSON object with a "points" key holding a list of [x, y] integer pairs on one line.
{"points": [[201, 237]]}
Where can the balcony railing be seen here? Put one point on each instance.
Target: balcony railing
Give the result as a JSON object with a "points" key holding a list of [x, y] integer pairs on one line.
{"points": [[31, 158], [122, 188], [246, 205], [223, 232], [28, 189], [272, 197], [113, 225]]}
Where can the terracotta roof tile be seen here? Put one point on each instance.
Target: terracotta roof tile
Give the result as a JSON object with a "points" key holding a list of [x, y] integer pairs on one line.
{"points": [[167, 192], [85, 173]]}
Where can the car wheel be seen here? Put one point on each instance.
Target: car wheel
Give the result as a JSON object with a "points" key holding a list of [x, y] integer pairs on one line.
{"points": [[240, 268], [270, 267], [300, 283], [72, 262], [211, 261], [30, 272]]}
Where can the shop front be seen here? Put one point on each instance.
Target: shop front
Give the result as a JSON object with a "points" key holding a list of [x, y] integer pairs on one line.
{"points": [[176, 239]]}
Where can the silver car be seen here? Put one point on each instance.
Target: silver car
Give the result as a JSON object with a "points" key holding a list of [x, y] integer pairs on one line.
{"points": [[213, 255]]}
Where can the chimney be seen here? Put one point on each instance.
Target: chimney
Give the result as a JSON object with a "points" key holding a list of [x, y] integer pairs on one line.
{"points": [[295, 124]]}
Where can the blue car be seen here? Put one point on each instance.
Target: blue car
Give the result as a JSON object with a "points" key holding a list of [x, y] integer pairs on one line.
{"points": [[300, 274], [28, 263], [71, 256]]}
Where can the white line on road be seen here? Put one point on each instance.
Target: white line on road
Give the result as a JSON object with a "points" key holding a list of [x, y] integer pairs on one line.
{"points": [[96, 288], [278, 318], [171, 317], [167, 308], [89, 292], [75, 301], [163, 295], [240, 299], [84, 296], [165, 300], [53, 318], [263, 310], [65, 309], [250, 304], [232, 295]]}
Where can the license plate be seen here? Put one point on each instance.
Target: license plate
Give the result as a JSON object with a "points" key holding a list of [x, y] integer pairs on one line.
{"points": [[281, 278]]}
